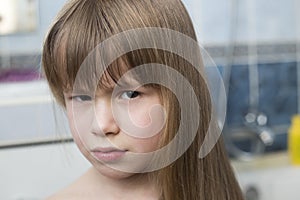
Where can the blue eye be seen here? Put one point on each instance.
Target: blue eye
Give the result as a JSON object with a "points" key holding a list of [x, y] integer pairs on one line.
{"points": [[81, 98], [130, 94]]}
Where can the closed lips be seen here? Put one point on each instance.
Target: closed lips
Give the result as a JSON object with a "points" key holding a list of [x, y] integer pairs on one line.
{"points": [[108, 154], [107, 150]]}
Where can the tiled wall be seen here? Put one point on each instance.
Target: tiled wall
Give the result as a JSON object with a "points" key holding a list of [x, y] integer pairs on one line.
{"points": [[277, 93], [277, 79], [255, 20], [277, 97]]}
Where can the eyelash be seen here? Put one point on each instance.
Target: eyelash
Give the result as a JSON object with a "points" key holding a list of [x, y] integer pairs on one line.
{"points": [[129, 95], [132, 94], [81, 98]]}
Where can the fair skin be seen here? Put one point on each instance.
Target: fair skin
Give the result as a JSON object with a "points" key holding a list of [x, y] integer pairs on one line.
{"points": [[93, 126]]}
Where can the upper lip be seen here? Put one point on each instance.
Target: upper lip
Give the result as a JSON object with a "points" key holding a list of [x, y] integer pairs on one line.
{"points": [[106, 149]]}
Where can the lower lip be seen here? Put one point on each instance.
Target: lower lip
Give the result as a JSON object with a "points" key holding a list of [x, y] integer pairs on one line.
{"points": [[109, 156]]}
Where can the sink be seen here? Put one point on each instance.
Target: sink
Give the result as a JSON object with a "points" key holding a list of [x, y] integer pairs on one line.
{"points": [[269, 177]]}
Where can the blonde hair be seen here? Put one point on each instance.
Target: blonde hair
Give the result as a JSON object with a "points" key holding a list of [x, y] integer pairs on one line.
{"points": [[83, 24]]}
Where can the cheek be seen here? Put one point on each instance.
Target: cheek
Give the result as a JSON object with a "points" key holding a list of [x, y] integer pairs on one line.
{"points": [[79, 123], [138, 113], [139, 117], [73, 126], [145, 145], [143, 112], [144, 120], [76, 134], [80, 118]]}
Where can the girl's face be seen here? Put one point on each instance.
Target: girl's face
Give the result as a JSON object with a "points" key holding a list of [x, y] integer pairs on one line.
{"points": [[110, 125]]}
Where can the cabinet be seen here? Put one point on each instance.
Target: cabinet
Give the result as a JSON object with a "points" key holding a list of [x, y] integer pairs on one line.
{"points": [[27, 114]]}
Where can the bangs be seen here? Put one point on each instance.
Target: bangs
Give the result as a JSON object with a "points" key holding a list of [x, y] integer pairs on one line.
{"points": [[69, 43], [78, 66], [89, 70], [74, 44], [69, 55]]}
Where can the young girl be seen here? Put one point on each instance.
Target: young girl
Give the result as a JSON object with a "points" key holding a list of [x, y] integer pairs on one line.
{"points": [[119, 69]]}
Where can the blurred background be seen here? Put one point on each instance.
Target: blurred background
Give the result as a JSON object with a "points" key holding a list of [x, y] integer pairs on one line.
{"points": [[254, 43]]}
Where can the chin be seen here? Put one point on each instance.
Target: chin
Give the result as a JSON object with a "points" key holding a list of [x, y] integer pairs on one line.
{"points": [[110, 172]]}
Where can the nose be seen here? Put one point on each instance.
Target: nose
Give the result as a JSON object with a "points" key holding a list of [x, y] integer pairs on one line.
{"points": [[103, 121]]}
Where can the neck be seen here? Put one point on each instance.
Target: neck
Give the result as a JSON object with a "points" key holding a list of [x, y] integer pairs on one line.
{"points": [[133, 185]]}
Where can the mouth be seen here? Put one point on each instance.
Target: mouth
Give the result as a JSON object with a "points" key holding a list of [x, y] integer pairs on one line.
{"points": [[109, 154]]}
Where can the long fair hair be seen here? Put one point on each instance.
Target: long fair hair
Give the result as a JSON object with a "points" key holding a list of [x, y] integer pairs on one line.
{"points": [[83, 24]]}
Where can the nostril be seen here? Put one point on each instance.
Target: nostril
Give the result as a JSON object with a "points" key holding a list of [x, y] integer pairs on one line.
{"points": [[104, 127], [108, 134]]}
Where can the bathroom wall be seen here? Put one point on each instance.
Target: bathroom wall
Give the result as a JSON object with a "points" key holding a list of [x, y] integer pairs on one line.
{"points": [[25, 99], [264, 34], [237, 33], [36, 172], [31, 43], [257, 20]]}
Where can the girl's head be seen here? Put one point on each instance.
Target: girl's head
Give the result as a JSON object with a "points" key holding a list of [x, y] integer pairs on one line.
{"points": [[72, 61], [84, 24]]}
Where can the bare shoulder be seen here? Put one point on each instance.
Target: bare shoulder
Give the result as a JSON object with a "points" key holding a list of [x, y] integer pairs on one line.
{"points": [[59, 196], [76, 194], [71, 192], [75, 191]]}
